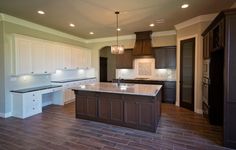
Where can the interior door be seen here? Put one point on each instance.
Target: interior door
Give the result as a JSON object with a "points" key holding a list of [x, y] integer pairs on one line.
{"points": [[103, 69], [187, 62]]}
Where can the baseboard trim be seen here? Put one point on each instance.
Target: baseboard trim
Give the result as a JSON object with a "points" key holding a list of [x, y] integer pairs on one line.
{"points": [[199, 111], [5, 115]]}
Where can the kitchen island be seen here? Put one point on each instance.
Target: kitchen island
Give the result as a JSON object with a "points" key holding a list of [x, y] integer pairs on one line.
{"points": [[130, 105]]}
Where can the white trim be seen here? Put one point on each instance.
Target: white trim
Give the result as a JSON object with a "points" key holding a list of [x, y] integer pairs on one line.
{"points": [[199, 111], [132, 36], [198, 19], [5, 115], [35, 26], [178, 70]]}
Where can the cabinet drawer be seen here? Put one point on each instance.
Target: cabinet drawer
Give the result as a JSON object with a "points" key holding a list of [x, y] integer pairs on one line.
{"points": [[170, 84]]}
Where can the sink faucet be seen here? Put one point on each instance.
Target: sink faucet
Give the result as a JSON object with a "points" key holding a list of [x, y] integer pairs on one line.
{"points": [[118, 81]]}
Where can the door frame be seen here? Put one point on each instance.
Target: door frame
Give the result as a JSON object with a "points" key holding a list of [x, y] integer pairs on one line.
{"points": [[193, 73], [198, 57]]}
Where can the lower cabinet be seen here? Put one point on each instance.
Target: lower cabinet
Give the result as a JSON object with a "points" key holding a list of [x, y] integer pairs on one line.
{"points": [[134, 111], [26, 105], [86, 105]]}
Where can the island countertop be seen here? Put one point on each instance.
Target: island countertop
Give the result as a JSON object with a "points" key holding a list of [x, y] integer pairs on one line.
{"points": [[132, 89]]}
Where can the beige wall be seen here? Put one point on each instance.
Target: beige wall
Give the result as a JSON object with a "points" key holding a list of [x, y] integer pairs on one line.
{"points": [[169, 40], [186, 33], [2, 78]]}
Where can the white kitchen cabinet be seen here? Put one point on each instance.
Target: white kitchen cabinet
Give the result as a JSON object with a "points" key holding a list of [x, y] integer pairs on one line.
{"points": [[22, 62], [86, 60], [66, 57], [76, 57], [38, 54], [50, 58], [27, 104]]}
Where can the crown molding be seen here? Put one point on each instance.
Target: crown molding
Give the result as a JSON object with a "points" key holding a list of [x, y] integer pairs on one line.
{"points": [[132, 36], [18, 21], [195, 20]]}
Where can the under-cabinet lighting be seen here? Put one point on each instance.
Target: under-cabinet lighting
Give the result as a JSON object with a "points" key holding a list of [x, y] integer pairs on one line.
{"points": [[81, 71], [25, 77], [58, 71]]}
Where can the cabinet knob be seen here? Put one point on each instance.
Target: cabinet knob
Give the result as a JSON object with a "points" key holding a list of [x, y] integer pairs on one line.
{"points": [[33, 100], [33, 95], [45, 72], [33, 108], [32, 72]]}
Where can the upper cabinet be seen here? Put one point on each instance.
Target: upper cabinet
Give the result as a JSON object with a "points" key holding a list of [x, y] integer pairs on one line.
{"points": [[143, 44], [165, 57], [22, 62], [125, 61], [36, 56]]}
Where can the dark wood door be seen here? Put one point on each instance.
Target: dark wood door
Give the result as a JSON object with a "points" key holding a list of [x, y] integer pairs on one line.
{"points": [[187, 63], [117, 110], [146, 115], [103, 69]]}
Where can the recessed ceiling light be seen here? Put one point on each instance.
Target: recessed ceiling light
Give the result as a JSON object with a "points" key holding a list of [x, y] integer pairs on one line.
{"points": [[185, 6], [72, 25], [118, 29], [91, 33], [41, 12], [152, 25]]}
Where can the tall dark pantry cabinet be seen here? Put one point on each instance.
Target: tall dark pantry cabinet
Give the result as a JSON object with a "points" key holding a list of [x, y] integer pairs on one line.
{"points": [[220, 47]]}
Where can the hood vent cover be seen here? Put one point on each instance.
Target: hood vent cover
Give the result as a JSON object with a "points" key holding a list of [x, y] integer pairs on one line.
{"points": [[143, 44]]}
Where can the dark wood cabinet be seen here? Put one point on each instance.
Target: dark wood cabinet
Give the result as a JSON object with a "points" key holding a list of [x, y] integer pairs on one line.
{"points": [[134, 111], [223, 43], [125, 61], [143, 44], [86, 105], [110, 108], [169, 92], [165, 57]]}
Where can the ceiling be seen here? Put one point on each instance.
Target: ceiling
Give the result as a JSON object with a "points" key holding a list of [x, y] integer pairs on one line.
{"points": [[98, 15]]}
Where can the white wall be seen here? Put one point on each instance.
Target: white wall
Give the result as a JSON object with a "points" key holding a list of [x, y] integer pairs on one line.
{"points": [[2, 77]]}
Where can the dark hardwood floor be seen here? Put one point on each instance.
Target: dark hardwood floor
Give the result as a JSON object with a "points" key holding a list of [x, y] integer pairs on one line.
{"points": [[56, 128]]}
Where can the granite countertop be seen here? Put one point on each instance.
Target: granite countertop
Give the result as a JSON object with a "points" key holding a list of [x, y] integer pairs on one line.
{"points": [[147, 79], [72, 80], [132, 89], [35, 89]]}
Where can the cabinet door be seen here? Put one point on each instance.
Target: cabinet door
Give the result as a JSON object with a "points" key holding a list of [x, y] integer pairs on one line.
{"points": [[104, 108], [81, 104], [75, 58], [147, 47], [138, 47], [117, 110], [124, 61], [38, 57], [23, 56], [66, 57], [146, 115], [131, 114], [171, 57], [160, 58], [50, 58], [92, 106], [86, 58]]}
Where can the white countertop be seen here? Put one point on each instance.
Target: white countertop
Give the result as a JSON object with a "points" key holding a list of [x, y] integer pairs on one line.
{"points": [[132, 89]]}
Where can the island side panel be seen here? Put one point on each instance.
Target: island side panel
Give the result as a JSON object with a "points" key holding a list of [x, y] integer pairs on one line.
{"points": [[134, 111]]}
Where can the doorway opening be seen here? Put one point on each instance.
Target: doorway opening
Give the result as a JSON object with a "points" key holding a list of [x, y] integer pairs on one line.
{"points": [[107, 65]]}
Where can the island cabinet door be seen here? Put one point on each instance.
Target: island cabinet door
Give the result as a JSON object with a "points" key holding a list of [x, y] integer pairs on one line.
{"points": [[104, 106], [117, 110], [86, 105], [131, 114], [146, 115]]}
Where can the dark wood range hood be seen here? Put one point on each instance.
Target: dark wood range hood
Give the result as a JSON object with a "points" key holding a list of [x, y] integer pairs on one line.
{"points": [[143, 44]]}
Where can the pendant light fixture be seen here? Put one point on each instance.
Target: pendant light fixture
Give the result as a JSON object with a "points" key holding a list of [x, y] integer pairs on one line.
{"points": [[117, 49]]}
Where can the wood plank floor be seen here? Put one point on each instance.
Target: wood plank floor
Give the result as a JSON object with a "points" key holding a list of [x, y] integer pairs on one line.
{"points": [[57, 129]]}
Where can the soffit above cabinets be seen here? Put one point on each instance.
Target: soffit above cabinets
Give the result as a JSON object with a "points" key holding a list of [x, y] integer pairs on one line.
{"points": [[98, 16]]}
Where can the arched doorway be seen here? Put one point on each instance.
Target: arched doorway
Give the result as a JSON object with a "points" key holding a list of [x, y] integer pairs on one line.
{"points": [[107, 63]]}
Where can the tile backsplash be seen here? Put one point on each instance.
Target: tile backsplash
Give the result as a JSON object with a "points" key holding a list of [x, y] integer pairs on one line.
{"points": [[145, 68]]}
